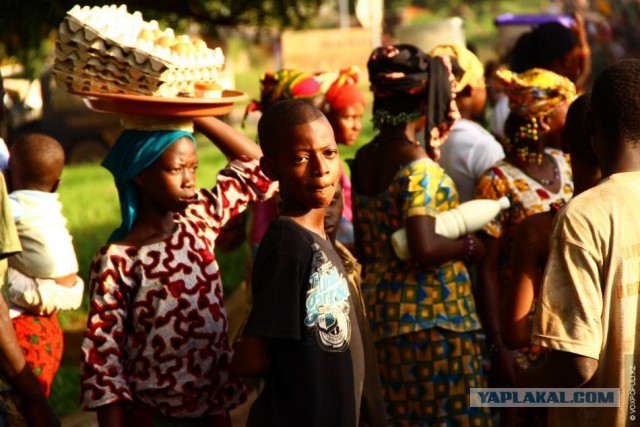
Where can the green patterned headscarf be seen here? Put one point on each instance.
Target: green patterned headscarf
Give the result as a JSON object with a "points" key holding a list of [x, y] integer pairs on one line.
{"points": [[281, 85]]}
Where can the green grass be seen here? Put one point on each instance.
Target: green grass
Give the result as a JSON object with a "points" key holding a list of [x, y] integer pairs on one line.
{"points": [[65, 392]]}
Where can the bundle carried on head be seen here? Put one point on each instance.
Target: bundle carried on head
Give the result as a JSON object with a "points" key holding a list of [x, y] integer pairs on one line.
{"points": [[471, 69], [281, 85], [407, 83], [107, 49], [532, 94], [344, 91], [535, 92]]}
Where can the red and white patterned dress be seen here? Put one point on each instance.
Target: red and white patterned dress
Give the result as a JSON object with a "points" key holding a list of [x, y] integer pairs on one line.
{"points": [[157, 327]]}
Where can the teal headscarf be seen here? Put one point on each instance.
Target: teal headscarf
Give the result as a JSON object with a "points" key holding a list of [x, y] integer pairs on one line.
{"points": [[133, 152]]}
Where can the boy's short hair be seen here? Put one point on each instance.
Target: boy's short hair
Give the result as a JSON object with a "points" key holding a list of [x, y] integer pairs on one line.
{"points": [[279, 118], [41, 160], [615, 99]]}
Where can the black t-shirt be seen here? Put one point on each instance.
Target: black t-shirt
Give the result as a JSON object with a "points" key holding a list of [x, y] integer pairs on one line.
{"points": [[301, 302]]}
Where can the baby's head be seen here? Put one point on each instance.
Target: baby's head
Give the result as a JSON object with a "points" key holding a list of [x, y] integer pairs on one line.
{"points": [[35, 163], [300, 152]]}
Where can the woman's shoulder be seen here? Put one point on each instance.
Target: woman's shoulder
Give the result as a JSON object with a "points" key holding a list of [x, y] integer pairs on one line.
{"points": [[403, 156], [421, 164], [119, 249], [378, 168]]}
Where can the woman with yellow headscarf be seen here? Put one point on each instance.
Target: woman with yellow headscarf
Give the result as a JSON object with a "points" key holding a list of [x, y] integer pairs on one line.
{"points": [[534, 176]]}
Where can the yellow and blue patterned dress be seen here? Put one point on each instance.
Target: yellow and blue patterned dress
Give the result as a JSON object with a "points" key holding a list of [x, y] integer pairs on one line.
{"points": [[422, 318]]}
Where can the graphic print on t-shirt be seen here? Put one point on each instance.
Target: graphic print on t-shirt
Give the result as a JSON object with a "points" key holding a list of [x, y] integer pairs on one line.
{"points": [[328, 303]]}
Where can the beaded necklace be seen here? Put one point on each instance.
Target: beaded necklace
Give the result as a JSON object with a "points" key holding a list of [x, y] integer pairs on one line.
{"points": [[556, 173]]}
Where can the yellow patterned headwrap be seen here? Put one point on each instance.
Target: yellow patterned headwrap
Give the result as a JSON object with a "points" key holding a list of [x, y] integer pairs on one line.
{"points": [[473, 69], [535, 92]]}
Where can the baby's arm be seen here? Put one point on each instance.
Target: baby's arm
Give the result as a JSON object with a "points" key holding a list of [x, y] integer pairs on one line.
{"points": [[45, 296], [231, 142]]}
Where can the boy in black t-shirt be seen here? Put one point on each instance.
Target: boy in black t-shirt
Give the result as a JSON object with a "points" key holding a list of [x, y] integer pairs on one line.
{"points": [[302, 334]]}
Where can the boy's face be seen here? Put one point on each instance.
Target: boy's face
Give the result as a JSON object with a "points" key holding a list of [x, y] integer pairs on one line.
{"points": [[169, 183], [306, 163]]}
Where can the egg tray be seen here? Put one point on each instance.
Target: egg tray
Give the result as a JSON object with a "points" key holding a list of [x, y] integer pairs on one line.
{"points": [[77, 57], [112, 59], [91, 80], [134, 57], [121, 29]]}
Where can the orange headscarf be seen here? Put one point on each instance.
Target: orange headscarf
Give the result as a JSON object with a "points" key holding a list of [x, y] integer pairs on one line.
{"points": [[344, 90]]}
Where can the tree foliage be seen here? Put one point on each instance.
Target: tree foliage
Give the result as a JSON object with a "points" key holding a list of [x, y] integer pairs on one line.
{"points": [[26, 27]]}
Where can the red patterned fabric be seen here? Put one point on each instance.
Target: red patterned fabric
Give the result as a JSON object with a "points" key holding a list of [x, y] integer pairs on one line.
{"points": [[40, 338], [344, 91], [157, 326]]}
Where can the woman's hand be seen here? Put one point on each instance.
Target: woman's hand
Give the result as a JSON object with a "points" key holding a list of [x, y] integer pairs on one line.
{"points": [[430, 249]]}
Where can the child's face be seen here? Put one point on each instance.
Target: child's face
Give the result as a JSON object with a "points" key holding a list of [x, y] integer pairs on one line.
{"points": [[170, 181], [307, 166], [347, 123]]}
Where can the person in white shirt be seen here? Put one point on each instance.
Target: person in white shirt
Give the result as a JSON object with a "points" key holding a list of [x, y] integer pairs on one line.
{"points": [[470, 149]]}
